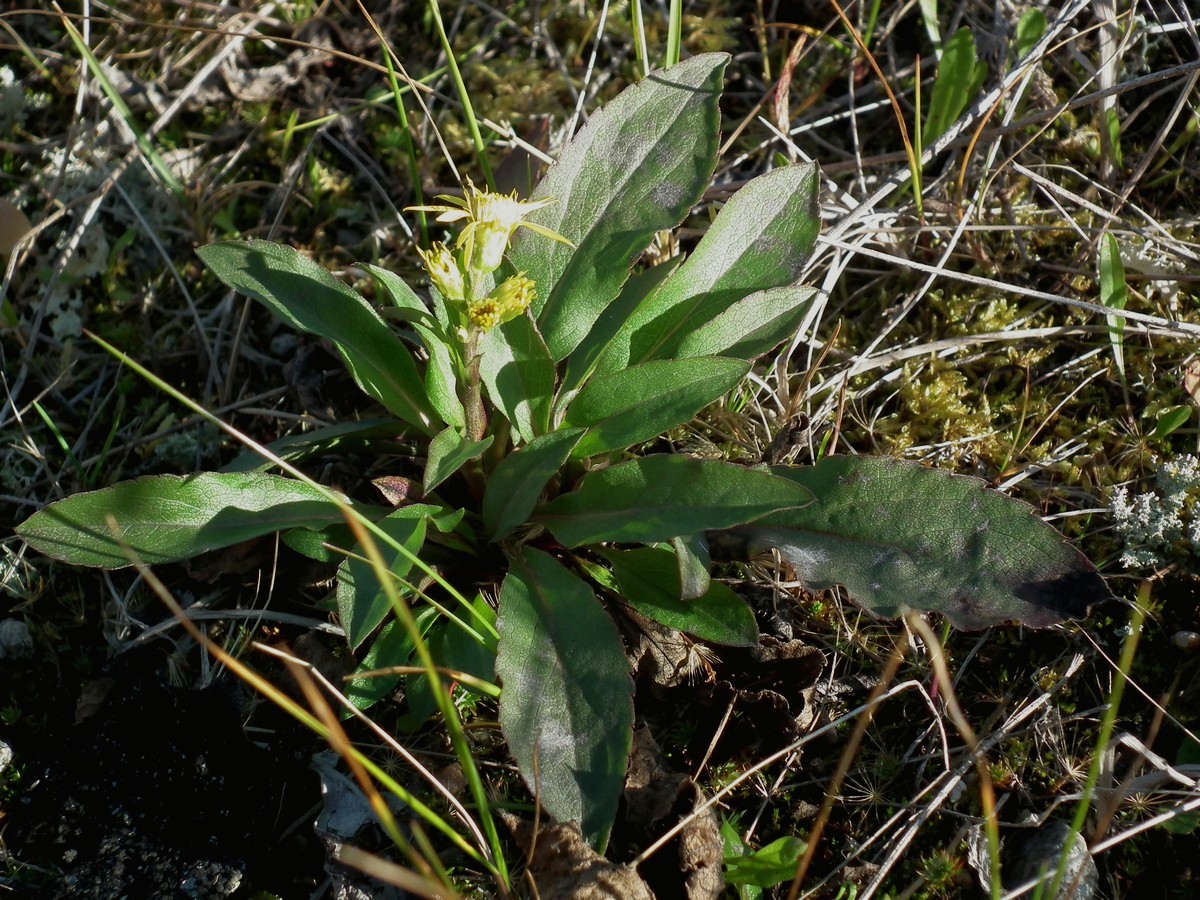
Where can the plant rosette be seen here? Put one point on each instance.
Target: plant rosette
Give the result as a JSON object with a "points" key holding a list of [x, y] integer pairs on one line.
{"points": [[544, 359]]}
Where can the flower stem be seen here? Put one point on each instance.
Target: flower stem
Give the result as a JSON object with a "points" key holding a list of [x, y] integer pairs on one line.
{"points": [[473, 398]]}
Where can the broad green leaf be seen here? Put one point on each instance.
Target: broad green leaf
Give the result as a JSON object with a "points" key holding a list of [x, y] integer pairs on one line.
{"points": [[583, 359], [767, 867], [517, 482], [656, 498], [518, 372], [362, 603], [753, 326], [648, 579], [761, 239], [165, 518], [329, 543], [959, 77], [332, 439], [312, 543], [1113, 294], [448, 451], [693, 564], [898, 536], [307, 297], [566, 705], [441, 379], [393, 647], [639, 403], [461, 652], [637, 167]]}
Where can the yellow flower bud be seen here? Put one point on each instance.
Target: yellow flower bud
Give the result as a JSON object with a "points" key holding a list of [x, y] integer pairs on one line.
{"points": [[503, 304], [444, 272]]}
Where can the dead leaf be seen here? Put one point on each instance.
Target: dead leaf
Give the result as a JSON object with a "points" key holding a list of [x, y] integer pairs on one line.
{"points": [[564, 866], [656, 797], [14, 225], [1191, 380]]}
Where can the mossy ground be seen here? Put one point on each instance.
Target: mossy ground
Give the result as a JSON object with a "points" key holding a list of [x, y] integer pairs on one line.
{"points": [[989, 379]]}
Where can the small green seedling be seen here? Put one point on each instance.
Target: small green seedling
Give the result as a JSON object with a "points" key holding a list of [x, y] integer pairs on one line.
{"points": [[528, 522]]}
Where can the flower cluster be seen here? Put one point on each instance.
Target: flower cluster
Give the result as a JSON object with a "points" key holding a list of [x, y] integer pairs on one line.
{"points": [[491, 220]]}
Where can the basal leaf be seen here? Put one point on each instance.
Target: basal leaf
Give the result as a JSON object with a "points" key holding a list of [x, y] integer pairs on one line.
{"points": [[753, 326], [165, 518], [393, 647], [307, 297], [566, 705], [330, 439], [447, 453], [634, 169], [641, 402], [898, 536], [518, 372], [761, 239], [362, 604], [516, 484], [649, 581], [656, 498]]}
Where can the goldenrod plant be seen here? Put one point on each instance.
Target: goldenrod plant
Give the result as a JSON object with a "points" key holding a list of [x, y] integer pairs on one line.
{"points": [[544, 363]]}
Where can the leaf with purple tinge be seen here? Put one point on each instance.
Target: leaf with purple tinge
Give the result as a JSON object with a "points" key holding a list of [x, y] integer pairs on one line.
{"points": [[898, 535]]}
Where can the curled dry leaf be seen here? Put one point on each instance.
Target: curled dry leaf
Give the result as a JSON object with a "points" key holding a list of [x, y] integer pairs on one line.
{"points": [[656, 797], [562, 865]]}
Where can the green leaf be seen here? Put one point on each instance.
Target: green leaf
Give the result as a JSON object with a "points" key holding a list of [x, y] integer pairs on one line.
{"points": [[1171, 420], [362, 603], [447, 453], [441, 378], [959, 77], [641, 402], [1113, 294], [1112, 129], [331, 439], [649, 581], [461, 652], [165, 518], [393, 647], [566, 707], [693, 564], [656, 498], [767, 867], [753, 326], [637, 167], [583, 359], [761, 239], [518, 372], [307, 297], [1030, 28], [901, 536], [517, 482]]}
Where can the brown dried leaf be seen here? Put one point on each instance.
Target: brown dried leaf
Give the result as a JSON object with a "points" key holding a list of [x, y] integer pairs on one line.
{"points": [[562, 865], [655, 798]]}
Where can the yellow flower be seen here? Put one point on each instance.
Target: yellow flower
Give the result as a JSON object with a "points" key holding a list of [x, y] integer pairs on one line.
{"points": [[444, 272], [503, 304], [491, 220]]}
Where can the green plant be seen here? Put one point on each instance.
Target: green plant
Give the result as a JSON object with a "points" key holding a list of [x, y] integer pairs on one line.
{"points": [[543, 362]]}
